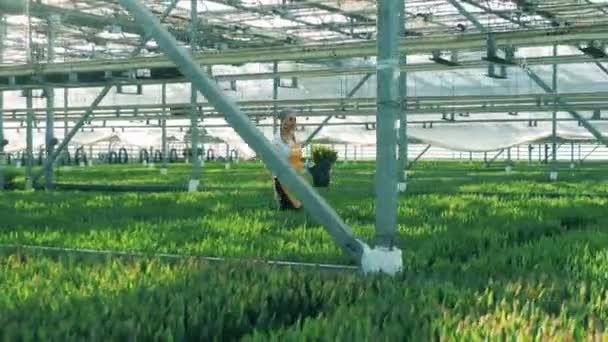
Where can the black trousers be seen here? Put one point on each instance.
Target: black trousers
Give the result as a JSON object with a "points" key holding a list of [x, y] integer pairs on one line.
{"points": [[284, 200]]}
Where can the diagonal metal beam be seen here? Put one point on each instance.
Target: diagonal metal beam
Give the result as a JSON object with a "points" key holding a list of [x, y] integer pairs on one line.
{"points": [[51, 159], [590, 153], [413, 162], [326, 120], [565, 106], [498, 154], [146, 38], [313, 202], [467, 15], [602, 67]]}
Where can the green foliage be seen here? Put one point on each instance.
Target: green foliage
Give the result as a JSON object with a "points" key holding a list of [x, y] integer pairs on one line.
{"points": [[477, 267], [322, 153], [10, 178]]}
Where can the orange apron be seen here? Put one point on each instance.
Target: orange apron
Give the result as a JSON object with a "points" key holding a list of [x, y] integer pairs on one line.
{"points": [[295, 160]]}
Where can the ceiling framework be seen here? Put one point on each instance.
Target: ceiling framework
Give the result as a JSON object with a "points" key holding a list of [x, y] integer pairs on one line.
{"points": [[95, 42]]}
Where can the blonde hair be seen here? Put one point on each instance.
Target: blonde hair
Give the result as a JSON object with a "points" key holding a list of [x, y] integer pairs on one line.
{"points": [[283, 115]]}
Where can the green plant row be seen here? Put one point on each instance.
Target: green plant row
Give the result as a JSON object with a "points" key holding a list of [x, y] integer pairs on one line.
{"points": [[426, 177], [546, 294]]}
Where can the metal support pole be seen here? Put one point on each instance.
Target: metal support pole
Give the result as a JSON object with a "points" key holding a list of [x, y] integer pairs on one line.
{"points": [[315, 204], [493, 159], [29, 138], [194, 138], [163, 123], [413, 162], [51, 159], [50, 103], [66, 101], [275, 97], [2, 159], [403, 148], [553, 173], [326, 120], [590, 152], [572, 154], [388, 108]]}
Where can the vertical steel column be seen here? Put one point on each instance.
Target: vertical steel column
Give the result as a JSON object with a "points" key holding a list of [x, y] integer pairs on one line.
{"points": [[2, 163], [345, 153], [388, 107], [194, 138], [275, 96], [66, 102], [163, 123], [553, 173], [50, 102], [29, 139], [572, 154], [403, 148]]}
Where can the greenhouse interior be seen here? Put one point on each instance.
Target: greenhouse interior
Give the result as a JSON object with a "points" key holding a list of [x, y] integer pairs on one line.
{"points": [[303, 170]]}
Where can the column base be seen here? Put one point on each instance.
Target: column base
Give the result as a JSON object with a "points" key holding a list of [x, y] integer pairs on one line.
{"points": [[381, 260], [553, 175], [90, 162], [193, 185]]}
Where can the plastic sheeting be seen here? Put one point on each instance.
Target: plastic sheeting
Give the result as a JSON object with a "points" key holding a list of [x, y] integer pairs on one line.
{"points": [[465, 137]]}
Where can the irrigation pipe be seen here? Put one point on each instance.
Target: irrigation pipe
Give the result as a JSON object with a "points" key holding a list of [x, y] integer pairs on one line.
{"points": [[48, 250]]}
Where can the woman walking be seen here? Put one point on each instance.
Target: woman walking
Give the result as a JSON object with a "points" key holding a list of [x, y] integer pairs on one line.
{"points": [[285, 142]]}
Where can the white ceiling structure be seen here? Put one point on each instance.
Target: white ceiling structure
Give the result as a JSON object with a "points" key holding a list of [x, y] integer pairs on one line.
{"points": [[266, 23]]}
